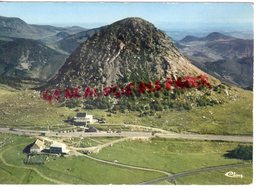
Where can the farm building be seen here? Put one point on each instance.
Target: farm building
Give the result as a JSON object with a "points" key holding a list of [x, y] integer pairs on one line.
{"points": [[82, 118], [37, 146], [58, 148]]}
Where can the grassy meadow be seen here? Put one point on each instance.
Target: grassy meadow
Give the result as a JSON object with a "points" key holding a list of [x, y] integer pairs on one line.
{"points": [[64, 170], [234, 117], [168, 155], [25, 109]]}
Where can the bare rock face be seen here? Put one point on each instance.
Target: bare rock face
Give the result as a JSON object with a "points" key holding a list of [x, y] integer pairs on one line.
{"points": [[129, 47]]}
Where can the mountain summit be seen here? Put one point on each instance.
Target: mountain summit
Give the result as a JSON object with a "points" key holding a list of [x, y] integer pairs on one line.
{"points": [[217, 36], [131, 47]]}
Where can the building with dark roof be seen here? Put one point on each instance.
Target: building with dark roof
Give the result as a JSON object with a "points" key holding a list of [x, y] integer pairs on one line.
{"points": [[58, 148]]}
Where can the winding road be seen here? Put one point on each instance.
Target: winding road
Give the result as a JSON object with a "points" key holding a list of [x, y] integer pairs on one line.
{"points": [[231, 138]]}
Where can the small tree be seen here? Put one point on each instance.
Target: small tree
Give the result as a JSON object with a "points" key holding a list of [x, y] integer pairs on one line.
{"points": [[244, 152]]}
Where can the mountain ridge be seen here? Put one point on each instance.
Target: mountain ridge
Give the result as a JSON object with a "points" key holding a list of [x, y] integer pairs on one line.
{"points": [[225, 51], [18, 28], [28, 58]]}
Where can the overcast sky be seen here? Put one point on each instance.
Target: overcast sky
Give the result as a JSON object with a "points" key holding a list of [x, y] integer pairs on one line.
{"points": [[166, 15]]}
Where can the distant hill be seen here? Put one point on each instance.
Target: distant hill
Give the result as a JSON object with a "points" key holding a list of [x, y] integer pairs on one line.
{"points": [[38, 58], [12, 27], [71, 42], [189, 38], [27, 58], [128, 49], [226, 57], [216, 36]]}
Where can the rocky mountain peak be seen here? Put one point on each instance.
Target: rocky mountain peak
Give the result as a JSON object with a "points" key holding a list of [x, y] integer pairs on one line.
{"points": [[130, 48], [134, 23]]}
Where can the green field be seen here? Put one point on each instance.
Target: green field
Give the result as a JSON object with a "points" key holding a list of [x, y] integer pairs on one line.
{"points": [[170, 155], [14, 174], [167, 155], [11, 175], [72, 170]]}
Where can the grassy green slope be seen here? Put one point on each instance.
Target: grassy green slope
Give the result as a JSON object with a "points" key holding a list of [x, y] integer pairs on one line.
{"points": [[25, 108], [233, 117], [22, 109], [11, 175]]}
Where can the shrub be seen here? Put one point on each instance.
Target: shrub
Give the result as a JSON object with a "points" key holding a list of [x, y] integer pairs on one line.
{"points": [[244, 152], [72, 103], [100, 103]]}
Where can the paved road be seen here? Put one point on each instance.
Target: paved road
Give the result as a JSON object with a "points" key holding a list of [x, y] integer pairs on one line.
{"points": [[191, 172], [145, 128], [231, 138]]}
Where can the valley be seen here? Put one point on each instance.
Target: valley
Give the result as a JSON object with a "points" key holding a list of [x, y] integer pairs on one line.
{"points": [[227, 58]]}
